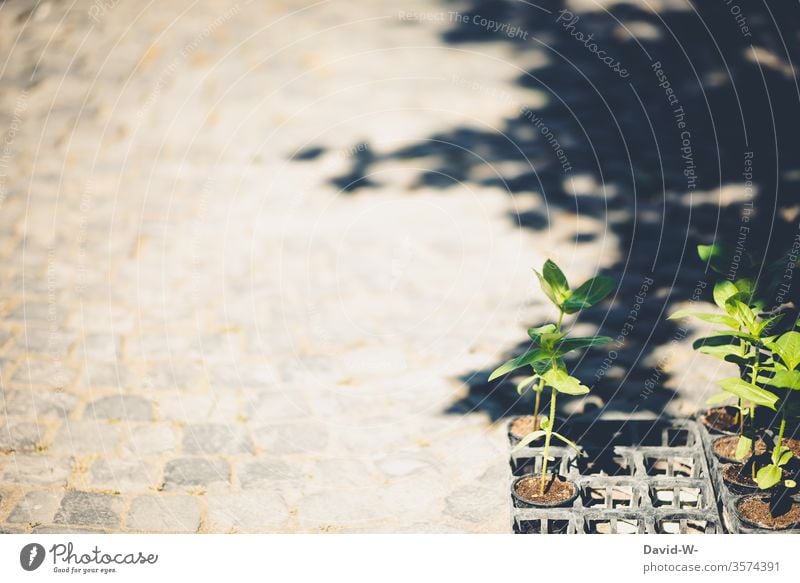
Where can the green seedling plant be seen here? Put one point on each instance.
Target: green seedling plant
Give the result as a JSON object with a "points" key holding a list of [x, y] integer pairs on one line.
{"points": [[549, 344], [742, 338], [785, 375]]}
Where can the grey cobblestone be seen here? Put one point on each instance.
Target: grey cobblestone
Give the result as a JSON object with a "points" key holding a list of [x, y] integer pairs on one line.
{"points": [[248, 512], [89, 509], [84, 437], [37, 470], [19, 437], [215, 439], [164, 514], [36, 508], [120, 407], [191, 473], [124, 475]]}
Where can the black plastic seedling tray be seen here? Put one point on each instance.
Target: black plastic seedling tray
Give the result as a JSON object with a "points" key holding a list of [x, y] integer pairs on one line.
{"points": [[636, 477], [727, 500]]}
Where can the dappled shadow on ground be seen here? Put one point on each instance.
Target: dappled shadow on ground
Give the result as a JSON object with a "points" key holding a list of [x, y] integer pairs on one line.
{"points": [[691, 139]]}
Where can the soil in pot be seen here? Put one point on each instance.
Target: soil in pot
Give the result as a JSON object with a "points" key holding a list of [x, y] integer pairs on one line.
{"points": [[755, 510], [721, 420], [558, 491], [738, 479], [725, 449]]}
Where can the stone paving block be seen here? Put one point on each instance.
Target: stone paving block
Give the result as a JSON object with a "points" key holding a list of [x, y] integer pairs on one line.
{"points": [[20, 437], [150, 439], [113, 375], [268, 473], [191, 473], [248, 512], [124, 475], [37, 507], [126, 407], [37, 404], [83, 437], [237, 375], [175, 375], [89, 509], [270, 406], [45, 374], [301, 437], [215, 439], [164, 514], [342, 507], [186, 407], [38, 470]]}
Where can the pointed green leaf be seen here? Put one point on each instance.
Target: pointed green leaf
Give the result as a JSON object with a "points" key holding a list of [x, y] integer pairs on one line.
{"points": [[589, 294], [723, 291], [526, 359], [743, 447], [719, 398], [548, 290], [785, 379], [570, 344], [536, 333], [768, 476], [525, 383], [528, 439], [787, 346], [555, 277], [707, 317], [749, 392], [714, 255], [564, 383], [572, 444]]}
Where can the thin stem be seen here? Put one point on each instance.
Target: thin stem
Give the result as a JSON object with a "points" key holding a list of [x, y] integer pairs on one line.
{"points": [[547, 440], [560, 319], [538, 390]]}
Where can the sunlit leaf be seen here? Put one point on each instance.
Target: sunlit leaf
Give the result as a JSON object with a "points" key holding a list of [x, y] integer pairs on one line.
{"points": [[526, 359], [564, 383], [749, 392], [768, 476], [707, 317], [589, 294]]}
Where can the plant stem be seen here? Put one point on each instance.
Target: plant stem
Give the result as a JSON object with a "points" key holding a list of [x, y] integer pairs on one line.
{"points": [[560, 319], [547, 440], [538, 390]]}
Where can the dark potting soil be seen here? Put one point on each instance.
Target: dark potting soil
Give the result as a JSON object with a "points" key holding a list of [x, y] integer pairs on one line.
{"points": [[522, 426], [726, 447], [756, 510], [720, 419], [556, 490], [733, 473]]}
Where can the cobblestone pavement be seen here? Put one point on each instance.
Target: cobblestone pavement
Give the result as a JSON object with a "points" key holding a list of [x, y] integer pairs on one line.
{"points": [[202, 334]]}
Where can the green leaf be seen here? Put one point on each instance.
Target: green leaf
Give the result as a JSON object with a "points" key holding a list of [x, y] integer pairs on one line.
{"points": [[554, 283], [570, 344], [564, 383], [768, 476], [781, 455], [589, 293], [714, 255], [719, 398], [526, 359], [785, 379], [572, 444], [743, 447], [749, 392], [525, 383], [536, 333], [707, 317], [723, 291], [528, 439], [787, 346]]}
